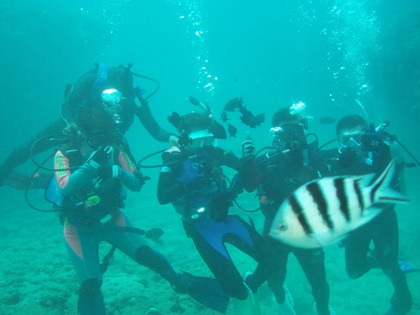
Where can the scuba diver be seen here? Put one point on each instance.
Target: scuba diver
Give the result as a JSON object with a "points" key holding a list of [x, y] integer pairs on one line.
{"points": [[192, 179], [123, 101], [92, 172], [365, 150], [287, 164]]}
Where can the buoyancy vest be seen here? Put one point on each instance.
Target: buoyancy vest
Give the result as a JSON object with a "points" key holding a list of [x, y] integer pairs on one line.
{"points": [[201, 199], [93, 203]]}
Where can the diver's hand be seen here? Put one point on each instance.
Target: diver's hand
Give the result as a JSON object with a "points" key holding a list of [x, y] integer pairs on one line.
{"points": [[236, 186], [100, 156], [173, 141], [142, 178], [248, 149], [194, 101]]}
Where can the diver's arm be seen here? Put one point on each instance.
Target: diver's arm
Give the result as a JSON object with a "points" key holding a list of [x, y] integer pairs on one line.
{"points": [[148, 121], [128, 174], [70, 183], [169, 189], [224, 157], [245, 167], [250, 174], [232, 161], [133, 182], [23, 152]]}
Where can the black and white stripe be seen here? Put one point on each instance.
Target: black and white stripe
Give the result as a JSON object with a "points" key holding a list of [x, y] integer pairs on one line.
{"points": [[298, 210], [359, 194], [318, 197], [342, 197]]}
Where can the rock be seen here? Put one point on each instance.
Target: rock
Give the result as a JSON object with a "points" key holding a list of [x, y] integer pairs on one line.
{"points": [[12, 297], [52, 301], [176, 308], [153, 311]]}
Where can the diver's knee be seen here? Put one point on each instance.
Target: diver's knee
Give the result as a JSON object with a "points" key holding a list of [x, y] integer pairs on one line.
{"points": [[236, 291], [143, 254], [354, 273]]}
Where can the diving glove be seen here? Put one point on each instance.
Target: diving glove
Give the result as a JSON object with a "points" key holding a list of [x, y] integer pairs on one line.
{"points": [[100, 156]]}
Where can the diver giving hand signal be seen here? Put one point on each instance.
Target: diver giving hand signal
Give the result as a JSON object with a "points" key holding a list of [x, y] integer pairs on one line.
{"points": [[101, 156]]}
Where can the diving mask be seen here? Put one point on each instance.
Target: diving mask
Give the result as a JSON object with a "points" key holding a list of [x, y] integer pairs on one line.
{"points": [[289, 132], [290, 137], [350, 139], [96, 140], [201, 139], [112, 101]]}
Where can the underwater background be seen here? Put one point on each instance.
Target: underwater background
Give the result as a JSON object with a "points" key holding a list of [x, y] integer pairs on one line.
{"points": [[332, 55]]}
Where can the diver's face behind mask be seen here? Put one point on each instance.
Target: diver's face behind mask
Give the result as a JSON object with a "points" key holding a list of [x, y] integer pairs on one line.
{"points": [[199, 139], [289, 137], [351, 138], [112, 101], [95, 140], [350, 141]]}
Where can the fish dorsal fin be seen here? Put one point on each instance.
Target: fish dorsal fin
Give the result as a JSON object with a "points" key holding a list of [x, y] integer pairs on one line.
{"points": [[382, 189], [365, 180]]}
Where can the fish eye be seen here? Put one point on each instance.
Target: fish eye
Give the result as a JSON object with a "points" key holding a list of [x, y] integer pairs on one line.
{"points": [[283, 227]]}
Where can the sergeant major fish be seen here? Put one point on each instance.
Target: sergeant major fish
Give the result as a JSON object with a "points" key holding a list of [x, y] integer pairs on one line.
{"points": [[323, 211]]}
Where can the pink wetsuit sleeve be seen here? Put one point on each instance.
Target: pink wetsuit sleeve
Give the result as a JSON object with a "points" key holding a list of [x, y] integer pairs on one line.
{"points": [[61, 162], [126, 162]]}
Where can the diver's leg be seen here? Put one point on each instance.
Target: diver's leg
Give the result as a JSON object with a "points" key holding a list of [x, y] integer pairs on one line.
{"points": [[219, 262], [204, 290], [313, 265], [356, 247], [22, 153], [272, 263], [277, 278], [136, 247], [82, 247], [386, 240]]}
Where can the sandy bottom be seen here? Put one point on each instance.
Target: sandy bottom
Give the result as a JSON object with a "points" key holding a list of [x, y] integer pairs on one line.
{"points": [[37, 276]]}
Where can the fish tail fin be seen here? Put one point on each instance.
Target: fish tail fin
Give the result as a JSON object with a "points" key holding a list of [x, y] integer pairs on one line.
{"points": [[382, 189]]}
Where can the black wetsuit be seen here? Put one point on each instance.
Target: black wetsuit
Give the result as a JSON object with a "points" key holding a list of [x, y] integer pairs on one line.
{"points": [[196, 186], [382, 231], [87, 92], [275, 176]]}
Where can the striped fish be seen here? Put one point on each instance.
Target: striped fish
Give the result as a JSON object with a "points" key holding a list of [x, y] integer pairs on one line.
{"points": [[323, 211]]}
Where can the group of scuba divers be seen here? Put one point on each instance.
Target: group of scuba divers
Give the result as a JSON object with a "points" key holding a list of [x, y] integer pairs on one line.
{"points": [[93, 167]]}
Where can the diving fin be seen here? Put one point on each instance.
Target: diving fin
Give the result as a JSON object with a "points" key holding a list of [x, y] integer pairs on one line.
{"points": [[405, 266], [208, 292], [249, 306]]}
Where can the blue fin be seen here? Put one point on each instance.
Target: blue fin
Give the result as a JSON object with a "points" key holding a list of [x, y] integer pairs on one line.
{"points": [[405, 267]]}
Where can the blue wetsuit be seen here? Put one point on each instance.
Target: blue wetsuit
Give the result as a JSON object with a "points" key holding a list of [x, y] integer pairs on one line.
{"points": [[196, 186]]}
